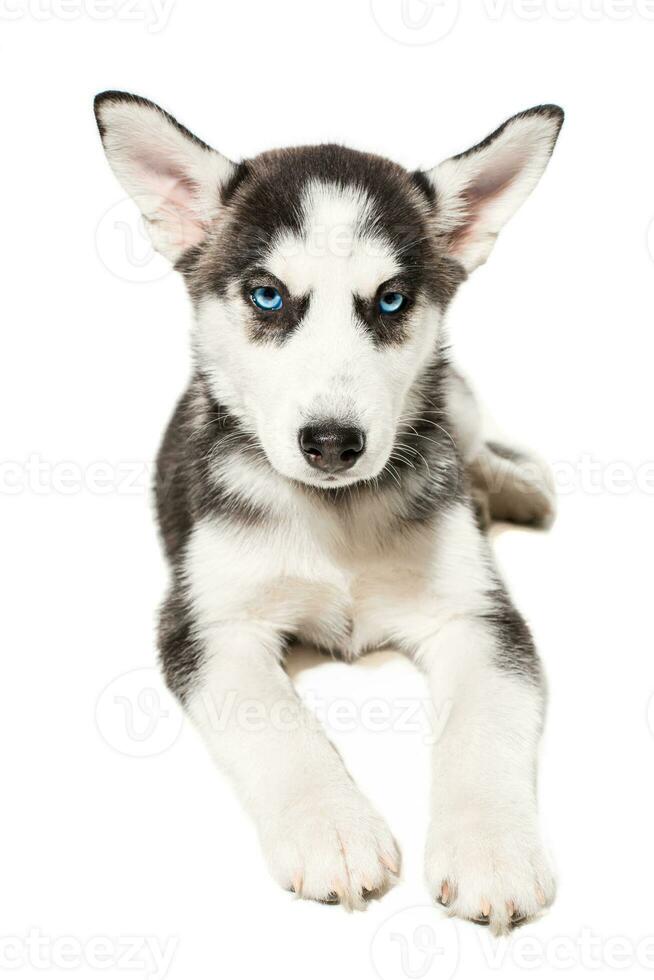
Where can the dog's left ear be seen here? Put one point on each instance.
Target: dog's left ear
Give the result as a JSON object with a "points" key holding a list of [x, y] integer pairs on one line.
{"points": [[174, 178], [479, 190]]}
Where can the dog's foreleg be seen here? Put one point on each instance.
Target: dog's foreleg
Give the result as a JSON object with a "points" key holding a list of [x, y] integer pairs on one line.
{"points": [[484, 859], [320, 835]]}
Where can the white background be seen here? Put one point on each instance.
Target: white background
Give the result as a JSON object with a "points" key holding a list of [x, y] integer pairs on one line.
{"points": [[114, 823]]}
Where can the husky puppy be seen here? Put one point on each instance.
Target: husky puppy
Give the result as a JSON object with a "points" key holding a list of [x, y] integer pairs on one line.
{"points": [[325, 477]]}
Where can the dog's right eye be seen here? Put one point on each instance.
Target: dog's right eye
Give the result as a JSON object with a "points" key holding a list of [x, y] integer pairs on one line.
{"points": [[267, 298]]}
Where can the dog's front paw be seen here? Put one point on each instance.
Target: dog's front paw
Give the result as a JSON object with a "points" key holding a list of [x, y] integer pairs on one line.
{"points": [[497, 877], [331, 847]]}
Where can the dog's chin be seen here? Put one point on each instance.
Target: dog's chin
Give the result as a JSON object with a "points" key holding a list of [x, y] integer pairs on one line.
{"points": [[330, 481], [321, 480]]}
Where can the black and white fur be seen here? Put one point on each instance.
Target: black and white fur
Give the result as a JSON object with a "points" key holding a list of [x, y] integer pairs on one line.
{"points": [[265, 549]]}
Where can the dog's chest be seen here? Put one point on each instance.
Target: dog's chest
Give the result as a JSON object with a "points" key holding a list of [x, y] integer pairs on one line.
{"points": [[344, 596], [312, 577]]}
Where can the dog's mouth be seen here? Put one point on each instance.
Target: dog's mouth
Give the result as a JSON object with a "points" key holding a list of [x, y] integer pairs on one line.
{"points": [[329, 481]]}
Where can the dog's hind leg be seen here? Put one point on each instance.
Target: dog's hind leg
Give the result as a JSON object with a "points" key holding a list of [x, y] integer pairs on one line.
{"points": [[511, 485], [506, 483]]}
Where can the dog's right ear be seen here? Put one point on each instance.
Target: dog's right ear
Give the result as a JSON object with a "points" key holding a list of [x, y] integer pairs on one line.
{"points": [[174, 178]]}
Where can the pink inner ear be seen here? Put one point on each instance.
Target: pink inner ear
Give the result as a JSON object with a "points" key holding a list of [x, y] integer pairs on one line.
{"points": [[495, 178], [489, 184], [177, 211]]}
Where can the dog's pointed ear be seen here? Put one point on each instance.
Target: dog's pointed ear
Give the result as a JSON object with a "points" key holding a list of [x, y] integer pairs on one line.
{"points": [[478, 191], [174, 178]]}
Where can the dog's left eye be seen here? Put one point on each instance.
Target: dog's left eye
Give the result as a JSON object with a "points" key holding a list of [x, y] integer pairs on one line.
{"points": [[267, 298], [391, 303]]}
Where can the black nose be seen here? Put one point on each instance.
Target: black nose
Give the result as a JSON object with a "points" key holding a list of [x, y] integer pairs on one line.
{"points": [[330, 446]]}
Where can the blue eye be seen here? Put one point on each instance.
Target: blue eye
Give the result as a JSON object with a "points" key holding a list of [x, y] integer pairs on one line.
{"points": [[391, 302], [267, 298]]}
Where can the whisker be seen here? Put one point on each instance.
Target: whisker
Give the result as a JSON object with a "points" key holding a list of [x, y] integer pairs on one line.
{"points": [[417, 453], [398, 457], [436, 426], [394, 474]]}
